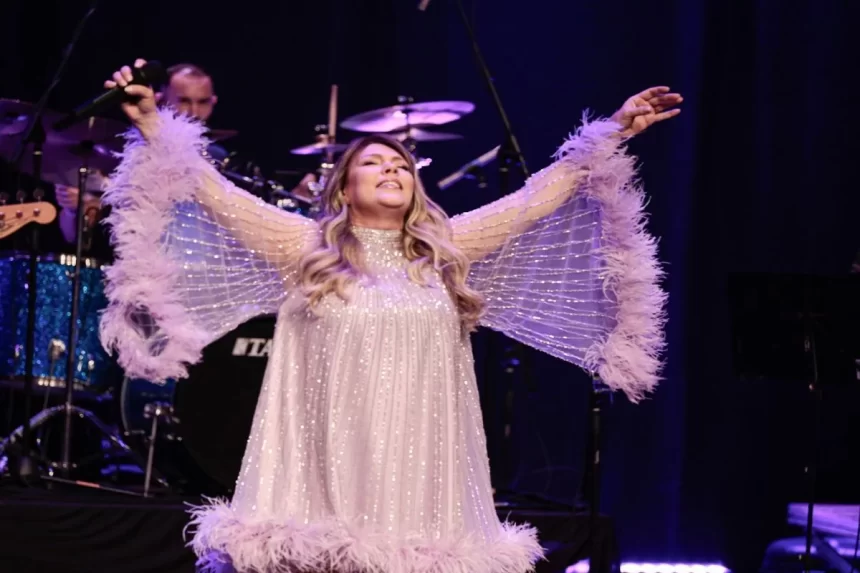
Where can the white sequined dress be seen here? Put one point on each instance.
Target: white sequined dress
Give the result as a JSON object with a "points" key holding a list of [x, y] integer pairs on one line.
{"points": [[367, 450]]}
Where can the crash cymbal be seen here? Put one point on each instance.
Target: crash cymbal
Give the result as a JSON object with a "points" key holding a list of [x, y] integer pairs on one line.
{"points": [[94, 141], [61, 162], [221, 134], [319, 148], [416, 134], [405, 115], [15, 115]]}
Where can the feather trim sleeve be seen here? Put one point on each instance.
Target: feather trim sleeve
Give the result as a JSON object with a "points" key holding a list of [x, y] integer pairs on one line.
{"points": [[566, 265], [195, 255]]}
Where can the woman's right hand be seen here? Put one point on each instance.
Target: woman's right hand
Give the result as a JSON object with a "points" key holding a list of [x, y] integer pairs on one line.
{"points": [[141, 110]]}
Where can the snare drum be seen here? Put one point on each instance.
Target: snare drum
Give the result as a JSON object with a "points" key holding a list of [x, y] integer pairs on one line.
{"points": [[53, 311], [202, 439]]}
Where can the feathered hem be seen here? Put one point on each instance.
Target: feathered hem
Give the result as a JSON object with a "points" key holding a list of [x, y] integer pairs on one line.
{"points": [[146, 322], [582, 282], [629, 358], [226, 543]]}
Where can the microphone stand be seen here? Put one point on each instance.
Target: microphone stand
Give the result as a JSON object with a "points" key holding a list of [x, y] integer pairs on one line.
{"points": [[35, 133], [516, 355], [508, 153], [26, 467]]}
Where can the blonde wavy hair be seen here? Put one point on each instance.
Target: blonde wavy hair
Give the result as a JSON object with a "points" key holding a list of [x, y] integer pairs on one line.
{"points": [[338, 262]]}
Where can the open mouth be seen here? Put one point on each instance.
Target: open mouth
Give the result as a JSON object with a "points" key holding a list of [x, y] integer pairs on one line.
{"points": [[390, 185]]}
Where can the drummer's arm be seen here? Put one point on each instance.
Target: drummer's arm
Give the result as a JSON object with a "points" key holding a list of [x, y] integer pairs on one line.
{"points": [[67, 225], [67, 199]]}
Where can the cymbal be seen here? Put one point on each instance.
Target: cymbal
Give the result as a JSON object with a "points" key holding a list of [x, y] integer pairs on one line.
{"points": [[417, 134], [221, 134], [319, 148], [403, 116], [61, 162], [15, 115], [63, 153]]}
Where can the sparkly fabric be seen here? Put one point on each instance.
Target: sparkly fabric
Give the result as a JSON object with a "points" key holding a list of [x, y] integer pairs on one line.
{"points": [[53, 308], [200, 256], [367, 450], [567, 267], [368, 429]]}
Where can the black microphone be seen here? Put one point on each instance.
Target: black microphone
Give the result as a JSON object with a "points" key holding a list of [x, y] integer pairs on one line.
{"points": [[151, 74]]}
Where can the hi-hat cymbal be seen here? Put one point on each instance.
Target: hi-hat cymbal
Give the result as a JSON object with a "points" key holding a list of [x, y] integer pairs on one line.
{"points": [[406, 115], [416, 134], [319, 148]]}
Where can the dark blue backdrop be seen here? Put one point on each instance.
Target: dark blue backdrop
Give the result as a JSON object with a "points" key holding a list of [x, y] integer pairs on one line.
{"points": [[756, 174]]}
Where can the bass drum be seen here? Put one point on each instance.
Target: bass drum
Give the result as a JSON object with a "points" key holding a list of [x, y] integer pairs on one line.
{"points": [[201, 440]]}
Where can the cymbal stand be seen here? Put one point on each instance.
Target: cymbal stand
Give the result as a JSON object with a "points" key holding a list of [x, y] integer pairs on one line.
{"points": [[409, 142], [25, 468], [326, 167], [68, 409], [510, 156]]}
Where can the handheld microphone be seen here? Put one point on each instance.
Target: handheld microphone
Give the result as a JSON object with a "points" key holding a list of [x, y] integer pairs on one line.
{"points": [[151, 74]]}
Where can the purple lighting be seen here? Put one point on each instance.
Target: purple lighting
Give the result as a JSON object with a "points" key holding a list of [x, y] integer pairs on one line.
{"points": [[633, 567]]}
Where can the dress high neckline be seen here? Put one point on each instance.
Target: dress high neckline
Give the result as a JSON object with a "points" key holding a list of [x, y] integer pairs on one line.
{"points": [[370, 236]]}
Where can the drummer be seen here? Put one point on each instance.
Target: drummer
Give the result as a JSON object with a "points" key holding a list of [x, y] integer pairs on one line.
{"points": [[190, 90]]}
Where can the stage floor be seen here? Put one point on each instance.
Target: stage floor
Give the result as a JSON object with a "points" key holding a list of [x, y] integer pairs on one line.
{"points": [[75, 530]]}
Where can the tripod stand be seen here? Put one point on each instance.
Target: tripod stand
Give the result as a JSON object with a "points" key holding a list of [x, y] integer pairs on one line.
{"points": [[19, 443]]}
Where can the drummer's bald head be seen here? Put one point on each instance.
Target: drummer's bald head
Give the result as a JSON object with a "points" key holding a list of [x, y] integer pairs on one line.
{"points": [[190, 90]]}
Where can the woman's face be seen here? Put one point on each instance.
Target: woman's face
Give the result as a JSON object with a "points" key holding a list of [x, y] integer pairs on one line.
{"points": [[379, 185]]}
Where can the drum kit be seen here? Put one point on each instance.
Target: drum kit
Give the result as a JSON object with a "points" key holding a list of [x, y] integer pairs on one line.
{"points": [[187, 435]]}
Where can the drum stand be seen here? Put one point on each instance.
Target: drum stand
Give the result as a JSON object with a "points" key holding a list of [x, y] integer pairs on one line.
{"points": [[26, 467]]}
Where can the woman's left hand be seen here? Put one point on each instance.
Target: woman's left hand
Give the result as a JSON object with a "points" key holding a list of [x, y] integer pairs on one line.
{"points": [[646, 108]]}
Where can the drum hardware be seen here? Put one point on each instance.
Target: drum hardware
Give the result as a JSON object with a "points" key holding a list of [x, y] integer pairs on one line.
{"points": [[290, 202], [75, 363], [472, 170], [97, 140], [204, 420], [33, 134], [54, 277], [56, 348], [322, 145], [415, 134], [156, 411], [87, 146]]}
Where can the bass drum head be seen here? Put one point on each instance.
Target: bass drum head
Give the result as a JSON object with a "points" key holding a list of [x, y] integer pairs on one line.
{"points": [[214, 407]]}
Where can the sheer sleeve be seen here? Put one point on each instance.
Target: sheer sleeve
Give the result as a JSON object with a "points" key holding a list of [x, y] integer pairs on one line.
{"points": [[567, 267], [195, 255]]}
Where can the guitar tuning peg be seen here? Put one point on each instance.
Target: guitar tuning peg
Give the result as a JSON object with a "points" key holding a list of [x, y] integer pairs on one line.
{"points": [[21, 195], [3, 198], [38, 194]]}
